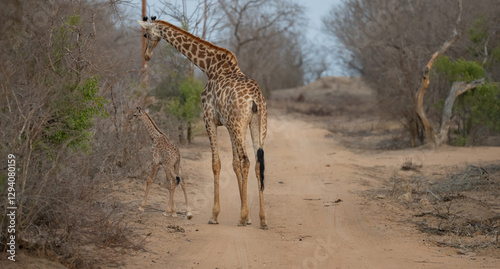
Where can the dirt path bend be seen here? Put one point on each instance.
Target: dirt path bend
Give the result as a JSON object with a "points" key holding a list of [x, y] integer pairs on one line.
{"points": [[316, 213]]}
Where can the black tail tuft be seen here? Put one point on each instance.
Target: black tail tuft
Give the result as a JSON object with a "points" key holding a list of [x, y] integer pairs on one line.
{"points": [[178, 180], [254, 107], [260, 160]]}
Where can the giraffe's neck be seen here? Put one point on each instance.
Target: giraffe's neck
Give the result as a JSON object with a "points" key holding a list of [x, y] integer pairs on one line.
{"points": [[153, 130], [211, 59]]}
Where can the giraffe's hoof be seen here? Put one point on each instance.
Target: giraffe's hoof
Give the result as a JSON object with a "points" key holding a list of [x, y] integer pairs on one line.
{"points": [[245, 223], [168, 214], [141, 208], [264, 226], [189, 215], [213, 222]]}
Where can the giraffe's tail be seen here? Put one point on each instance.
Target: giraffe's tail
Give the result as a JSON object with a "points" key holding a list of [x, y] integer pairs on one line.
{"points": [[178, 172], [260, 133], [260, 161]]}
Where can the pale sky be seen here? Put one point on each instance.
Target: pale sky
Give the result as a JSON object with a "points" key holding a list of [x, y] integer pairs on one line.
{"points": [[315, 10]]}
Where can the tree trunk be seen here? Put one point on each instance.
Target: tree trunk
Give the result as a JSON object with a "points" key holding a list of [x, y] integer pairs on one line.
{"points": [[182, 138], [457, 88], [189, 133], [144, 76], [429, 132]]}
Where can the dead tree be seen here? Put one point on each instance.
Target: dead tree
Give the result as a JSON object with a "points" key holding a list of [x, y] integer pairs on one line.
{"points": [[429, 132], [457, 88]]}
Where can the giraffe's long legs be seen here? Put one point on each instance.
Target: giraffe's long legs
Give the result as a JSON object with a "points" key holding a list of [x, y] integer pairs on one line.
{"points": [[236, 165], [212, 135], [239, 167], [171, 209], [148, 185], [182, 182], [189, 215], [254, 132]]}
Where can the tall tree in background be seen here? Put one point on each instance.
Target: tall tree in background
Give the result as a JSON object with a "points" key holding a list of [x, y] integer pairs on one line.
{"points": [[266, 36], [144, 77]]}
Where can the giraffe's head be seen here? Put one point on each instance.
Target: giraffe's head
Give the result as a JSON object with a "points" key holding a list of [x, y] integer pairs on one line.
{"points": [[152, 35], [138, 113]]}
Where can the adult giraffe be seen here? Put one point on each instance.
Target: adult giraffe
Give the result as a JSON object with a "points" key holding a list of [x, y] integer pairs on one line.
{"points": [[230, 98]]}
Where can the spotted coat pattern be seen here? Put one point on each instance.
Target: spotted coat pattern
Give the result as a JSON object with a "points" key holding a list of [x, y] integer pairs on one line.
{"points": [[166, 155], [230, 99]]}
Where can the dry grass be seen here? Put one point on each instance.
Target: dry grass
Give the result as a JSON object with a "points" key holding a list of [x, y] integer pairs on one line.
{"points": [[71, 217], [411, 165], [461, 210]]}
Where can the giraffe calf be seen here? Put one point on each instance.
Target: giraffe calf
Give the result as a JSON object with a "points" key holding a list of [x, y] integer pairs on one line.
{"points": [[168, 156]]}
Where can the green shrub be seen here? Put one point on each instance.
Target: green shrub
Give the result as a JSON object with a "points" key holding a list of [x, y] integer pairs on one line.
{"points": [[76, 101], [187, 105], [459, 70], [475, 108], [480, 107], [74, 114]]}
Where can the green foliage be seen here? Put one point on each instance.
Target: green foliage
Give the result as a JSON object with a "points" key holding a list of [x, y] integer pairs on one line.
{"points": [[77, 101], [479, 31], [186, 104], [74, 115], [73, 20], [495, 53], [475, 108], [480, 107], [481, 47], [177, 66], [459, 70], [460, 140], [61, 44]]}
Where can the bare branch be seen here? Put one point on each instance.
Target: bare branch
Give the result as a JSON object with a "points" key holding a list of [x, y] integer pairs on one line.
{"points": [[429, 132], [458, 88]]}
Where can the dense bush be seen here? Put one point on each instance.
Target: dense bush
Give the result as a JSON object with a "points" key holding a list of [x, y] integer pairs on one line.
{"points": [[61, 120]]}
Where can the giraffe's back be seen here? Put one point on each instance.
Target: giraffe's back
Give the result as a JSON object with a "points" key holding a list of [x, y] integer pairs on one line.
{"points": [[231, 98], [169, 153]]}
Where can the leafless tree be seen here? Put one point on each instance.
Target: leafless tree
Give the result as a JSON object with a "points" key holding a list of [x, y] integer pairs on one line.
{"points": [[267, 39], [203, 21], [316, 61]]}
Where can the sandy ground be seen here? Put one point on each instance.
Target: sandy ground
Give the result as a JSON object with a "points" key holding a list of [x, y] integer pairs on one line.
{"points": [[321, 205], [316, 215]]}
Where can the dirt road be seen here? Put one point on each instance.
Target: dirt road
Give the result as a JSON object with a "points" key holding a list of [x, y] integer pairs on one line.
{"points": [[317, 214]]}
